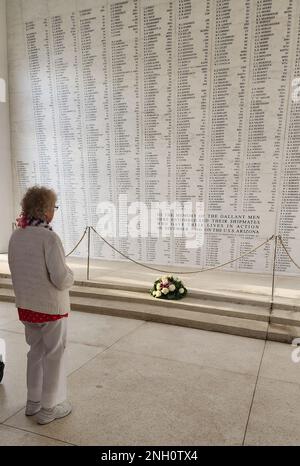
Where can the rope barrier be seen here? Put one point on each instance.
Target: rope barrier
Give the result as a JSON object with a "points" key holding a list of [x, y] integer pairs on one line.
{"points": [[180, 272], [78, 241]]}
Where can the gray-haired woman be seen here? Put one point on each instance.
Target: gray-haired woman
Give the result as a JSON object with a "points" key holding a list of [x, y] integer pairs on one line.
{"points": [[41, 280]]}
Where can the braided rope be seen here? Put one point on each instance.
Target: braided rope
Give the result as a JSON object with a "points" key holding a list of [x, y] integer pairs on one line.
{"points": [[194, 271], [180, 272], [78, 242]]}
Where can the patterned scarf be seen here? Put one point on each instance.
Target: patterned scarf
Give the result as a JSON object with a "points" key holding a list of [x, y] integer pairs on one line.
{"points": [[23, 221]]}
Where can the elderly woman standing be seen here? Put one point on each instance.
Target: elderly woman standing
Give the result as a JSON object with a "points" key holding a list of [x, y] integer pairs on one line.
{"points": [[41, 280]]}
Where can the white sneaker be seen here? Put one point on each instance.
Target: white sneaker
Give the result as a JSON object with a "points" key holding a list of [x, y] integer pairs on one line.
{"points": [[32, 408], [48, 415]]}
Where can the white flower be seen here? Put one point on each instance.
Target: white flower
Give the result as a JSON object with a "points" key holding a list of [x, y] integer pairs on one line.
{"points": [[158, 294], [172, 287], [165, 282], [154, 293], [165, 290], [181, 290], [158, 286]]}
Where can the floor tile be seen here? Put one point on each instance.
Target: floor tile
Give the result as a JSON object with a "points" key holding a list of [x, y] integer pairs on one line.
{"points": [[13, 387], [10, 436], [129, 399], [275, 414], [213, 349], [277, 362]]}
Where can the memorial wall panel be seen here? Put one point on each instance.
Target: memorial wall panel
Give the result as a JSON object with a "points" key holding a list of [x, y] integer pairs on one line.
{"points": [[162, 101]]}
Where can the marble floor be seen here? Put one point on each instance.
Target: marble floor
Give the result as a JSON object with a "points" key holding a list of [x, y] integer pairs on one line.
{"points": [[141, 383]]}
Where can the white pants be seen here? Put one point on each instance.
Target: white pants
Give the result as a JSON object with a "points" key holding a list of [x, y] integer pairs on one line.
{"points": [[46, 365]]}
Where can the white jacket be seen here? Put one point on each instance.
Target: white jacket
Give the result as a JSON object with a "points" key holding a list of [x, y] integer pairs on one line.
{"points": [[38, 269]]}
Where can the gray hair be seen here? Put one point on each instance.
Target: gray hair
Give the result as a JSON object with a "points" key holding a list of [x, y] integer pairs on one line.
{"points": [[37, 201]]}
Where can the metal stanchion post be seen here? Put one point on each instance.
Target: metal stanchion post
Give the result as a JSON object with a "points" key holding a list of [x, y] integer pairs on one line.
{"points": [[88, 257], [273, 274]]}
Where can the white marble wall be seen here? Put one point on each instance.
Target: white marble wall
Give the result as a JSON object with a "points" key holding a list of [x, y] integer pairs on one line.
{"points": [[6, 193], [162, 100]]}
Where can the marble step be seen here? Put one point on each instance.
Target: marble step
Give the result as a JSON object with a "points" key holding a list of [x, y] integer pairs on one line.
{"points": [[228, 296], [173, 316], [284, 333], [186, 304], [223, 296], [280, 328], [284, 316], [7, 295], [231, 296]]}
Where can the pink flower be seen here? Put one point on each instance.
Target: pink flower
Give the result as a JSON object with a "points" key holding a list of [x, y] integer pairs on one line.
{"points": [[165, 286]]}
